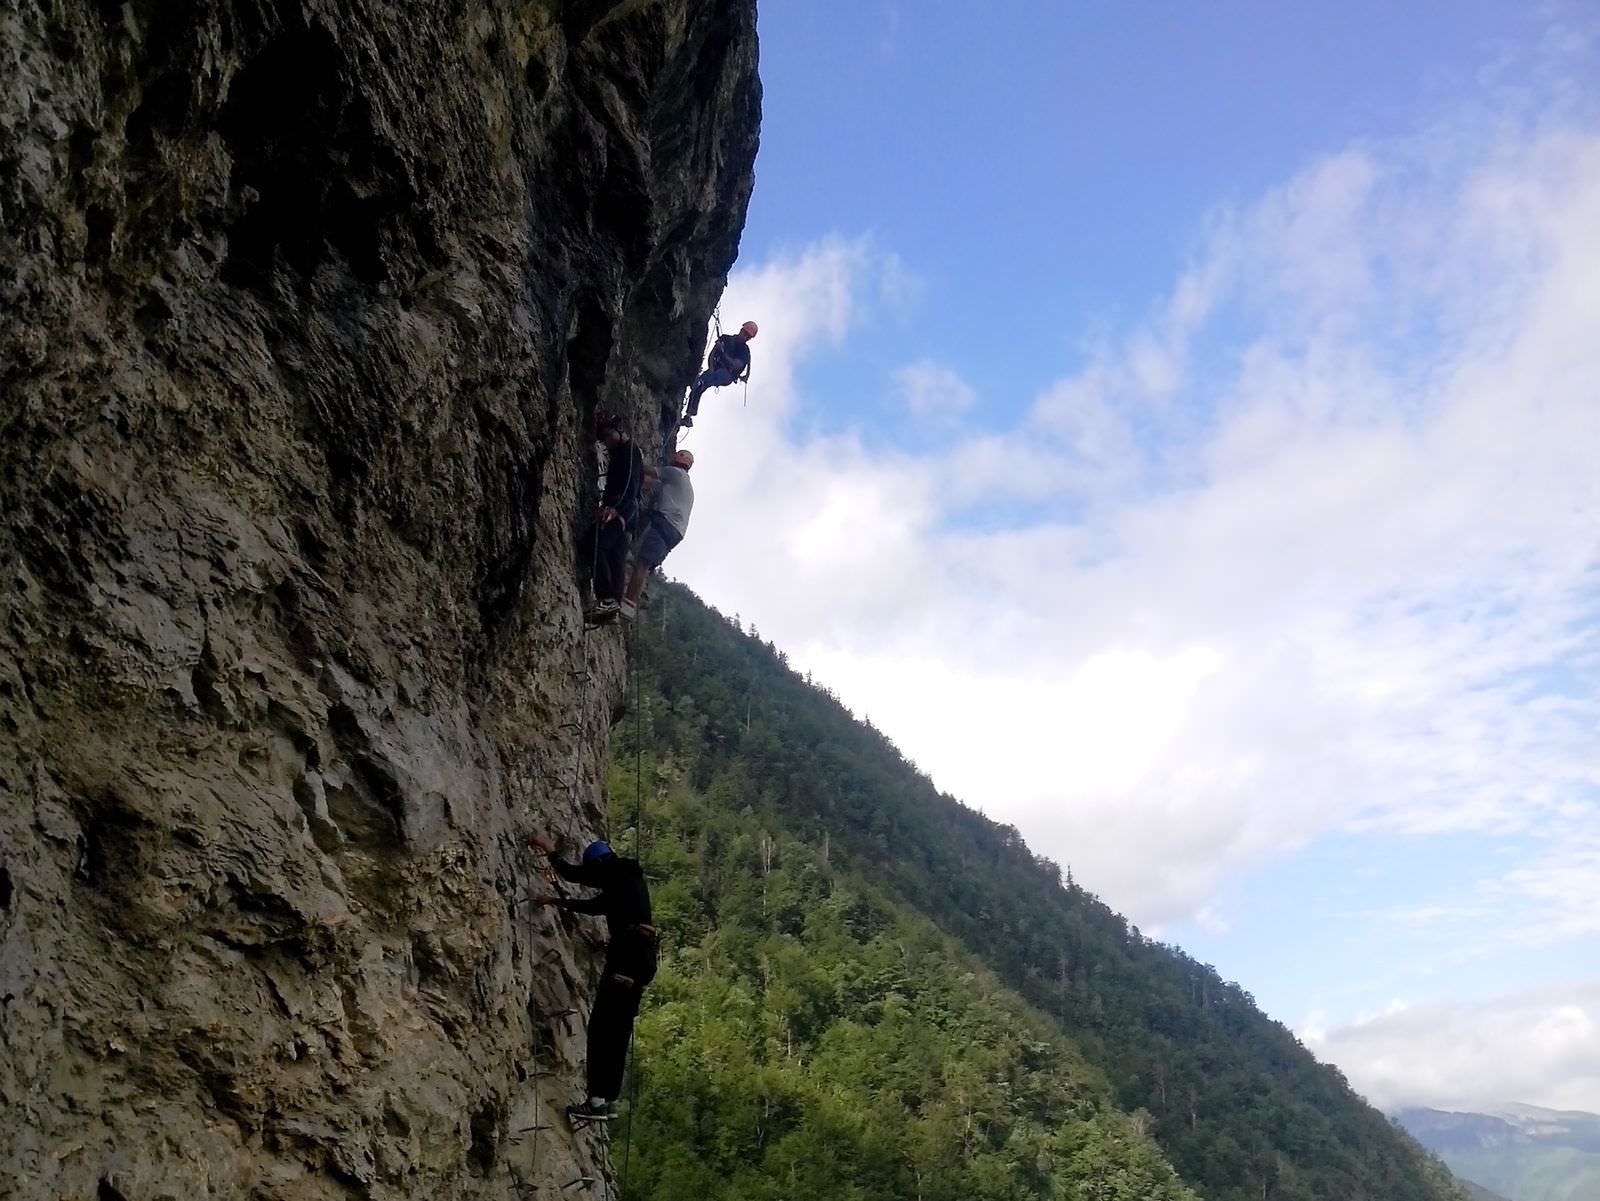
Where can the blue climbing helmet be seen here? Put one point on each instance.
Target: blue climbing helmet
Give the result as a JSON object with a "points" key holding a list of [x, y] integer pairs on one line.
{"points": [[596, 851]]}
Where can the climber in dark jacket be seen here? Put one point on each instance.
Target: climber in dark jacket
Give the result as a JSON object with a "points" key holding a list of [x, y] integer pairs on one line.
{"points": [[728, 363], [624, 901], [603, 548]]}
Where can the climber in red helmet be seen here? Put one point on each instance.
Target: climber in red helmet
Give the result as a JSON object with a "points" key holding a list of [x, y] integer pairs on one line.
{"points": [[728, 363]]}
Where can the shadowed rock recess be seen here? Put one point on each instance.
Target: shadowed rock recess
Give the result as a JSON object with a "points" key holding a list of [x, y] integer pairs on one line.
{"points": [[302, 309]]}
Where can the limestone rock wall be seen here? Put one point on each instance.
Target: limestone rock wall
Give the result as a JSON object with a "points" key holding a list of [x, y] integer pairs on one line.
{"points": [[303, 306]]}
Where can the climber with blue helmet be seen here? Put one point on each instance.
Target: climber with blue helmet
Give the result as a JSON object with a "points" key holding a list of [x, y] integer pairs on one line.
{"points": [[728, 363], [630, 963]]}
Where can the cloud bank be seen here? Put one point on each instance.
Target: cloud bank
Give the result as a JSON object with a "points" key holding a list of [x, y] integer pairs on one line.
{"points": [[1313, 548], [1540, 1047]]}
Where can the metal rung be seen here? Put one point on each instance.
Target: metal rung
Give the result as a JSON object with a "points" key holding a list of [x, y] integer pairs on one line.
{"points": [[579, 1180]]}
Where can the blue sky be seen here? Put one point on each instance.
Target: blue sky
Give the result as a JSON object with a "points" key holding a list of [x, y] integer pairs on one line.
{"points": [[1043, 165], [1175, 426]]}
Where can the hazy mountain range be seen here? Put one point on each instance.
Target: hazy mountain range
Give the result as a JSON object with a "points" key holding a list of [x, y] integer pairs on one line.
{"points": [[1521, 1152]]}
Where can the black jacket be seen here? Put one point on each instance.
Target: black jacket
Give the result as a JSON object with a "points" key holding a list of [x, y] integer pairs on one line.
{"points": [[624, 902], [733, 352], [624, 477], [624, 899]]}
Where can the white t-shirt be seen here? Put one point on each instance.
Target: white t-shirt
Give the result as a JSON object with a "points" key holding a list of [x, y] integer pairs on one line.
{"points": [[676, 497]]}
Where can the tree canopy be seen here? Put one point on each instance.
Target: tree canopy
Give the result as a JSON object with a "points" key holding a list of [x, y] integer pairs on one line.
{"points": [[860, 964]]}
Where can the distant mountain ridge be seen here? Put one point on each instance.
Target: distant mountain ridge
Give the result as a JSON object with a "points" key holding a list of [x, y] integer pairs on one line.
{"points": [[1523, 1152]]}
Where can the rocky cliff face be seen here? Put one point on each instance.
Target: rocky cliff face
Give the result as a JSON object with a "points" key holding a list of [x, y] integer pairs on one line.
{"points": [[302, 310]]}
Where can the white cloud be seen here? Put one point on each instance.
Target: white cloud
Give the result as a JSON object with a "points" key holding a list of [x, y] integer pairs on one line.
{"points": [[928, 389], [1316, 548], [1538, 1048], [1327, 600]]}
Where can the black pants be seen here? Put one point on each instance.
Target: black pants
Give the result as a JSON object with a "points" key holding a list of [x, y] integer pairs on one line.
{"points": [[609, 558], [713, 377], [622, 985]]}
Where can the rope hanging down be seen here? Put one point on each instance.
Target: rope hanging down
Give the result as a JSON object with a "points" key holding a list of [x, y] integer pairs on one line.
{"points": [[678, 435], [580, 730], [638, 853]]}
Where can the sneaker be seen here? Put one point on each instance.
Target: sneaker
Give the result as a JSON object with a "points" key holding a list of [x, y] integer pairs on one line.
{"points": [[628, 610], [604, 611], [686, 422], [583, 1111]]}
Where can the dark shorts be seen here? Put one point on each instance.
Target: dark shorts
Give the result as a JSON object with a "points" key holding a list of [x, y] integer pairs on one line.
{"points": [[659, 539]]}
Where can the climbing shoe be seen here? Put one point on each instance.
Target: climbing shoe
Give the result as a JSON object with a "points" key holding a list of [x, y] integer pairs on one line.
{"points": [[584, 1111], [604, 611], [685, 422]]}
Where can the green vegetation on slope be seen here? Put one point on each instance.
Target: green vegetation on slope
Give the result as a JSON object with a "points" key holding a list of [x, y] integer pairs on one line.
{"points": [[1237, 1104], [805, 1038], [1530, 1173]]}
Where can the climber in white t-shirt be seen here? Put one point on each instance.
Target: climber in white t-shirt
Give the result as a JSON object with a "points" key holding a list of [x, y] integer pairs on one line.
{"points": [[666, 525]]}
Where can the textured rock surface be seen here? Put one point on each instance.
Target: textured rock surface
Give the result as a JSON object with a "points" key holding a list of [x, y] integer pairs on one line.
{"points": [[301, 309]]}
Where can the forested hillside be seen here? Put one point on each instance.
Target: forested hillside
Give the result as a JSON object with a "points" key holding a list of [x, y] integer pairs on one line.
{"points": [[807, 1001], [807, 1038]]}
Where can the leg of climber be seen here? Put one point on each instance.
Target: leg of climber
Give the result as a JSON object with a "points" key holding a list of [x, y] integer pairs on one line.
{"points": [[630, 597], [615, 517], [610, 1031], [610, 558], [714, 377], [659, 539]]}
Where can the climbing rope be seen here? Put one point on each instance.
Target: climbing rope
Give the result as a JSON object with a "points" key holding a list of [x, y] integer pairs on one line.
{"points": [[639, 854], [580, 729], [638, 751]]}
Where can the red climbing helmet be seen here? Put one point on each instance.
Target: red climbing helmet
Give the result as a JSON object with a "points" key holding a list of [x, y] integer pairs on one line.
{"points": [[748, 329]]}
